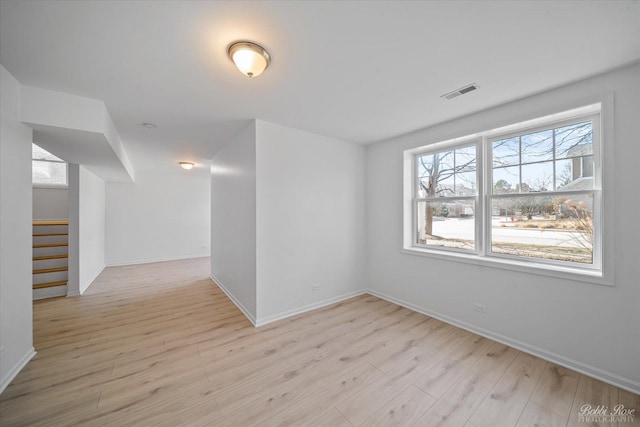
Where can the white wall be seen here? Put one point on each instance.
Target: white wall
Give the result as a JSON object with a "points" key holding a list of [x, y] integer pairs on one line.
{"points": [[91, 214], [287, 212], [160, 217], [73, 276], [50, 203], [233, 220], [590, 327], [16, 339], [310, 219]]}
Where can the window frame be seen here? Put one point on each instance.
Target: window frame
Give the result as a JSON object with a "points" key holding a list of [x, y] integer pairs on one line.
{"points": [[600, 271], [477, 234], [594, 118]]}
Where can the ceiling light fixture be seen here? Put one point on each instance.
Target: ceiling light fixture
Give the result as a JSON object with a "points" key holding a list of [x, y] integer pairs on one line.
{"points": [[186, 165], [250, 58], [149, 126]]}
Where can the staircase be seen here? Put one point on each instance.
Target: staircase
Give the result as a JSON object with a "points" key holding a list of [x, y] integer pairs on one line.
{"points": [[50, 258]]}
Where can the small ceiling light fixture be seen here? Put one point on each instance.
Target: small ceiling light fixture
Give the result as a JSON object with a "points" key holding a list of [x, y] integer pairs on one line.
{"points": [[149, 126], [250, 58], [186, 165]]}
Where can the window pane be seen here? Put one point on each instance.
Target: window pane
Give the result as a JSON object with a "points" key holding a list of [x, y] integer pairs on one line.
{"points": [[38, 153], [575, 140], [466, 183], [424, 188], [448, 224], [537, 146], [506, 152], [447, 173], [445, 186], [564, 174], [466, 159], [551, 228], [506, 180], [49, 173], [444, 162], [575, 174], [537, 177], [425, 165], [422, 192], [421, 169]]}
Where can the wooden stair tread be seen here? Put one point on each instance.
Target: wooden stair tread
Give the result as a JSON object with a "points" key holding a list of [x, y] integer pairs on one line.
{"points": [[50, 232], [43, 257], [55, 222], [49, 284], [50, 245], [50, 270]]}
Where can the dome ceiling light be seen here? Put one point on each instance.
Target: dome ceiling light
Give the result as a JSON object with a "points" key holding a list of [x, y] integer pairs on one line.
{"points": [[186, 165], [250, 58]]}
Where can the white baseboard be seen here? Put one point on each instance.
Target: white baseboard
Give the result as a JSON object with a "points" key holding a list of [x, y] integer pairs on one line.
{"points": [[150, 261], [16, 369], [275, 317], [583, 368], [234, 300], [89, 282], [295, 311]]}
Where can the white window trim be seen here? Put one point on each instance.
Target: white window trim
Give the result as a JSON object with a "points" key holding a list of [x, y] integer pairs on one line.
{"points": [[52, 186], [602, 274]]}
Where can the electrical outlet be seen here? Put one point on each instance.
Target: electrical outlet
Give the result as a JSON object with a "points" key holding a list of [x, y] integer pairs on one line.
{"points": [[315, 287], [479, 308]]}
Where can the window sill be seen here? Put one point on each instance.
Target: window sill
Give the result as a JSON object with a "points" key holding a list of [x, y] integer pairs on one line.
{"points": [[54, 186], [595, 277]]}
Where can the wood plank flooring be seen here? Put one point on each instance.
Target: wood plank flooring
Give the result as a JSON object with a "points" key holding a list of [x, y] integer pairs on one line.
{"points": [[161, 345]]}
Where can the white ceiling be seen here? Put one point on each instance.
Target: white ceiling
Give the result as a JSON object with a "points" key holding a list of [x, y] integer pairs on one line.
{"points": [[359, 71]]}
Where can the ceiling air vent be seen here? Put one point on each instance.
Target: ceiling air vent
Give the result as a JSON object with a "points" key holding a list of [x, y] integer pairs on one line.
{"points": [[461, 91]]}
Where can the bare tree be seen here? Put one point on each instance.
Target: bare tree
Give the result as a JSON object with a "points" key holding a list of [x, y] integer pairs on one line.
{"points": [[437, 168], [501, 187], [565, 175], [582, 218], [570, 137], [530, 206]]}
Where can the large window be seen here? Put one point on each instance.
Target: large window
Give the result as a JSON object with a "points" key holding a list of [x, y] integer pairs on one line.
{"points": [[543, 192], [528, 192], [47, 169]]}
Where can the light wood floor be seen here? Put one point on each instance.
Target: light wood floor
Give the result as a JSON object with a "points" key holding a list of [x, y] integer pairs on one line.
{"points": [[160, 344]]}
